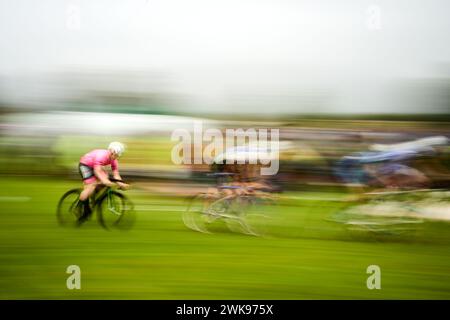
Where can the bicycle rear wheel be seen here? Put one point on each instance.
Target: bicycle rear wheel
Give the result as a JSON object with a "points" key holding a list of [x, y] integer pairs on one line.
{"points": [[115, 210], [69, 208]]}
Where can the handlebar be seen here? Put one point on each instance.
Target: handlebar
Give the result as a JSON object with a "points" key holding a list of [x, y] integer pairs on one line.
{"points": [[220, 174]]}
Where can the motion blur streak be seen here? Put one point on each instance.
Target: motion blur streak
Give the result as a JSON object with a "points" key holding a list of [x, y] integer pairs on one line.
{"points": [[363, 113]]}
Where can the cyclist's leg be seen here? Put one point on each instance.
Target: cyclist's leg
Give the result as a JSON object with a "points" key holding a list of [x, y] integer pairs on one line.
{"points": [[402, 176], [90, 183], [88, 190]]}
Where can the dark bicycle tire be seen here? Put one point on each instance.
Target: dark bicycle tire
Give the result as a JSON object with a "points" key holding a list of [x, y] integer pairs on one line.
{"points": [[126, 217], [69, 218]]}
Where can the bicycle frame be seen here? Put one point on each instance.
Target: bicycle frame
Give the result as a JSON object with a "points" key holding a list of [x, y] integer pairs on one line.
{"points": [[100, 193], [109, 200]]}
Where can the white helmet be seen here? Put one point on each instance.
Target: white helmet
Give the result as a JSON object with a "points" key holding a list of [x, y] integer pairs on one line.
{"points": [[117, 148]]}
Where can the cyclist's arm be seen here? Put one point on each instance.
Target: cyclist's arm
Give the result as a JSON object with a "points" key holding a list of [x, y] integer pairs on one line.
{"points": [[102, 176], [116, 175], [115, 169]]}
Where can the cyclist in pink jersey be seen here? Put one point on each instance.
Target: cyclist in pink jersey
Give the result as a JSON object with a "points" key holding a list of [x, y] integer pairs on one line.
{"points": [[91, 170]]}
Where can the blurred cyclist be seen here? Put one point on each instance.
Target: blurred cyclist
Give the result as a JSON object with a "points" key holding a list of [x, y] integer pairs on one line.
{"points": [[91, 170], [242, 178], [432, 160], [390, 169], [391, 166]]}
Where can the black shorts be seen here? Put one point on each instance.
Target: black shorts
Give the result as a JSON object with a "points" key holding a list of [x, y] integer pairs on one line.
{"points": [[86, 172]]}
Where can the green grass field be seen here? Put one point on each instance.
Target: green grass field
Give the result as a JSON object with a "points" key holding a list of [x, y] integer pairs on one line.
{"points": [[305, 258]]}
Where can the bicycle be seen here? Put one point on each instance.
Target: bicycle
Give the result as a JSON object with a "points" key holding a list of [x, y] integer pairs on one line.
{"points": [[395, 213], [113, 208], [241, 213]]}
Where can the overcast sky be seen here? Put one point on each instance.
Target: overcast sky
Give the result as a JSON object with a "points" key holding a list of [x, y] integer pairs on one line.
{"points": [[345, 54]]}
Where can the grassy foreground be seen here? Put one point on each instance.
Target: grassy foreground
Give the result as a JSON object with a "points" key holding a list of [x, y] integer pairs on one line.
{"points": [[306, 257]]}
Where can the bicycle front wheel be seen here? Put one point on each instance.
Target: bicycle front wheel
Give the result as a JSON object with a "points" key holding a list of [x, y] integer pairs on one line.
{"points": [[390, 219], [253, 215], [69, 208], [199, 214], [115, 210]]}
